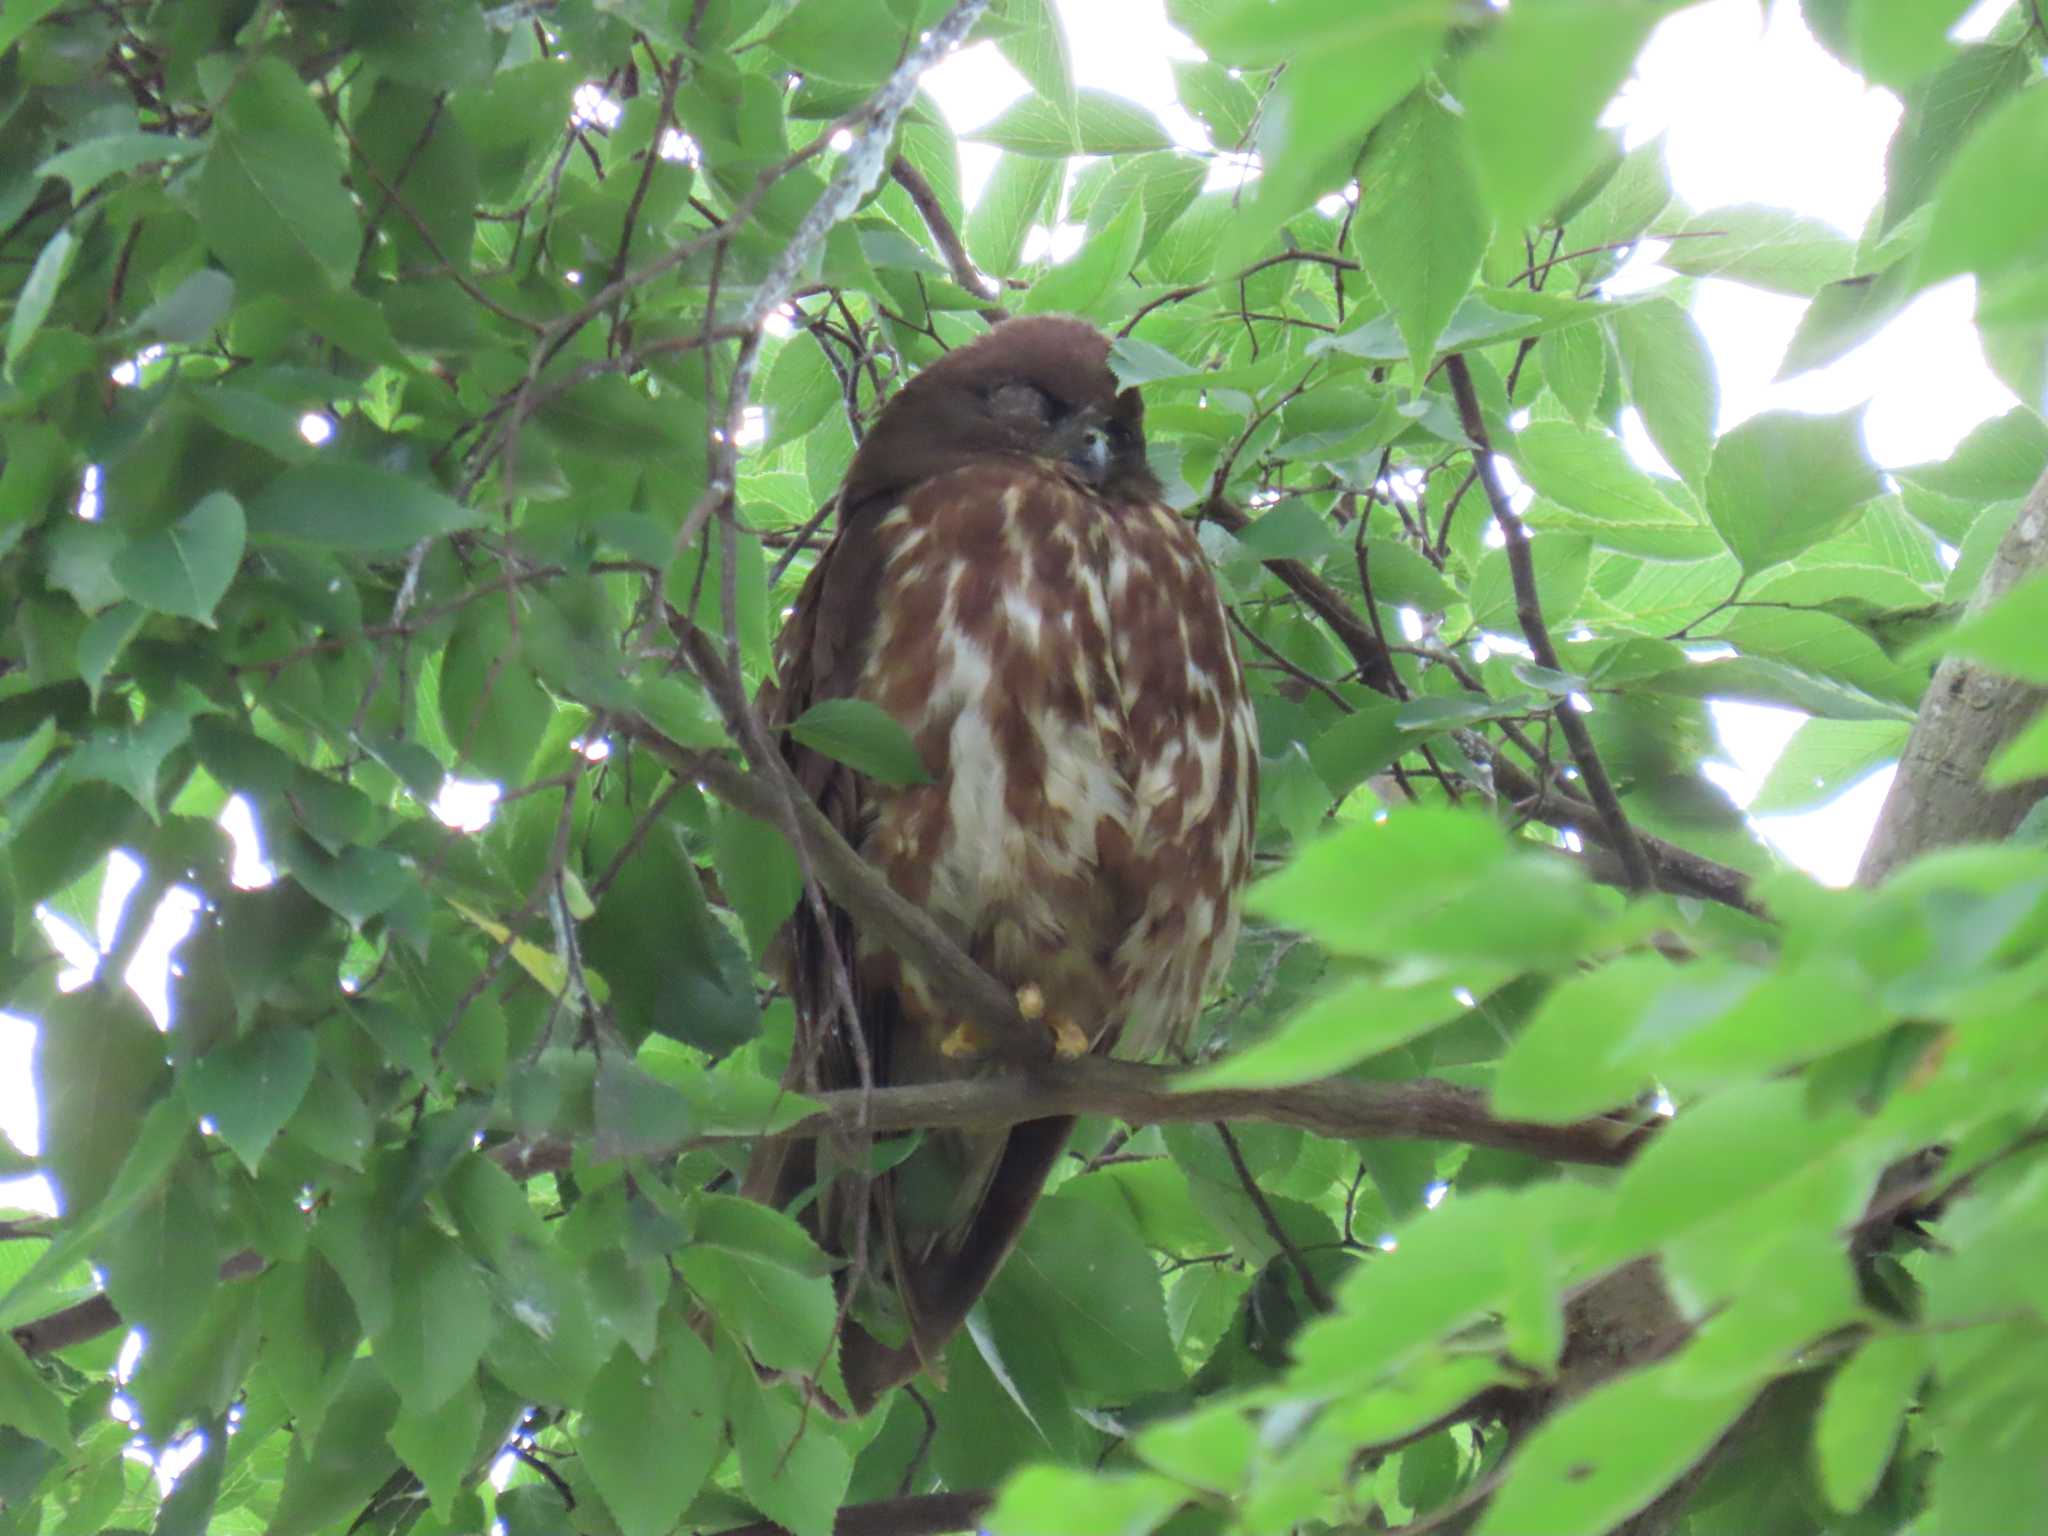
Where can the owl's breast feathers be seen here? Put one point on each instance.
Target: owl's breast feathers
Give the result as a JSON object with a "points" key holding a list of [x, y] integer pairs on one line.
{"points": [[1064, 667]]}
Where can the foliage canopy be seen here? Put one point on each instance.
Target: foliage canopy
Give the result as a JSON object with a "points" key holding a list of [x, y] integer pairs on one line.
{"points": [[403, 394]]}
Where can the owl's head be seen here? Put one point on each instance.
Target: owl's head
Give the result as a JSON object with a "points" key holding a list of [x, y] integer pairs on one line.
{"points": [[1038, 388]]}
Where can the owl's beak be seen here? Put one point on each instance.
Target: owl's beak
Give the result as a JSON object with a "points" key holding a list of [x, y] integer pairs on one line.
{"points": [[1090, 455]]}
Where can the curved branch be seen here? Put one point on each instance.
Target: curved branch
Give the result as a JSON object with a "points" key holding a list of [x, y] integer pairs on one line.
{"points": [[933, 212]]}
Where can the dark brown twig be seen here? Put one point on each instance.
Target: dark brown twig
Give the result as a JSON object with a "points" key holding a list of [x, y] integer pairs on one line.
{"points": [[1311, 1287], [1621, 837]]}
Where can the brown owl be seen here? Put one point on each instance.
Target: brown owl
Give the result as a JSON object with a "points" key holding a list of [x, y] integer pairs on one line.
{"points": [[1008, 584]]}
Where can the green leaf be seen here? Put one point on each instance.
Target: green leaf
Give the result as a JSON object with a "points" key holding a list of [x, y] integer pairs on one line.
{"points": [[1986, 220], [1671, 381], [839, 42], [2006, 636], [162, 1259], [1574, 363], [1067, 1501], [792, 1468], [1225, 104], [439, 1444], [2024, 757], [32, 304], [358, 883], [1358, 746], [1212, 1447], [1780, 483], [190, 311], [1421, 229], [862, 736], [1359, 1020], [1942, 112], [493, 709], [338, 505], [271, 199], [19, 759], [1859, 1422], [1534, 90], [1317, 116], [1717, 1154], [99, 1064], [755, 1231], [1823, 759], [1080, 283], [1037, 46], [441, 1319], [22, 16], [1999, 460], [328, 1476], [759, 875], [650, 1431], [1770, 248], [1091, 1292], [787, 1319], [1844, 315], [27, 1402], [1589, 1466], [1589, 472], [800, 388], [186, 568], [1890, 44], [249, 1088], [1012, 200], [86, 165], [1561, 561], [1346, 887], [1568, 1063], [1100, 124]]}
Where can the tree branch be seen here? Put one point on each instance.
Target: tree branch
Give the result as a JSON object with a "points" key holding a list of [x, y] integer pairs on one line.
{"points": [[929, 208], [1968, 712], [1347, 1108], [857, 886], [1621, 837]]}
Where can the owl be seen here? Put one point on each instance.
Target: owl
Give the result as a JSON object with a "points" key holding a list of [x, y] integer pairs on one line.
{"points": [[1008, 584]]}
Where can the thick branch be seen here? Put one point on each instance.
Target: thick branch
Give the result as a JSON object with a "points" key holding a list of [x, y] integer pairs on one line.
{"points": [[1939, 797], [1352, 1109], [1424, 1109], [1621, 837]]}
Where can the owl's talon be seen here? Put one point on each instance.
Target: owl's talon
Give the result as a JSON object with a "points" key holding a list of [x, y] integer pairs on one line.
{"points": [[962, 1041], [1069, 1040], [1031, 1001]]}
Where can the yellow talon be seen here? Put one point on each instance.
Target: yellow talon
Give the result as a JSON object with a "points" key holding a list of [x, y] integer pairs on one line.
{"points": [[1068, 1039], [1031, 1001], [962, 1041]]}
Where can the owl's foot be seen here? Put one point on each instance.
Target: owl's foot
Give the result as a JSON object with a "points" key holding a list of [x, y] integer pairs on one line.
{"points": [[963, 1042], [1069, 1040]]}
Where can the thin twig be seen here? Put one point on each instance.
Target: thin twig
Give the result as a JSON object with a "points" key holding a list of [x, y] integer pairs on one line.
{"points": [[1621, 837]]}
